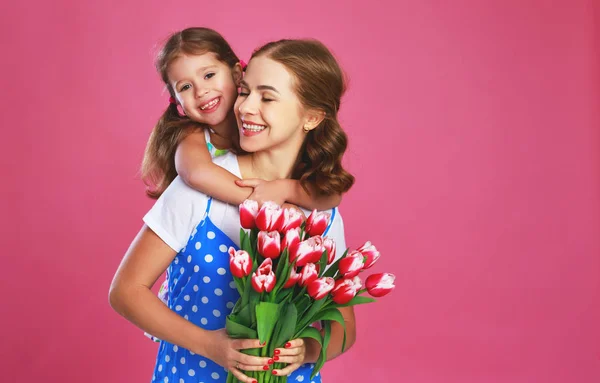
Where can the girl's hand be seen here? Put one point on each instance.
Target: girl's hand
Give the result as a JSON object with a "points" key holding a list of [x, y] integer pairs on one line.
{"points": [[276, 191], [293, 353], [224, 351]]}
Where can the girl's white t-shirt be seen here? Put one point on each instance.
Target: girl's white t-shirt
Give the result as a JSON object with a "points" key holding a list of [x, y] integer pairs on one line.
{"points": [[180, 209]]}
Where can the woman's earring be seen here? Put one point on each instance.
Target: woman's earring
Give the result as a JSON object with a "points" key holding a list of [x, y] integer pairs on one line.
{"points": [[305, 130]]}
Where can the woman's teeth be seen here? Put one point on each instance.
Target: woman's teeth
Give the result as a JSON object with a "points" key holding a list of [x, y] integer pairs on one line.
{"points": [[210, 104], [253, 128]]}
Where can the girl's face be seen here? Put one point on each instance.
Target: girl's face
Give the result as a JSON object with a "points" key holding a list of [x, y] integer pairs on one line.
{"points": [[268, 110], [205, 87]]}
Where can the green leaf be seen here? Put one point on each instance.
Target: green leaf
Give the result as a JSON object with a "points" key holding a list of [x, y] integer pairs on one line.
{"points": [[322, 263], [285, 328], [267, 314], [237, 330], [323, 354], [311, 332], [329, 315], [357, 300], [305, 320], [283, 271]]}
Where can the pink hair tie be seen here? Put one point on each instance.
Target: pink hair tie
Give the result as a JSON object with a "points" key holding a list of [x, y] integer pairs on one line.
{"points": [[243, 64], [172, 100]]}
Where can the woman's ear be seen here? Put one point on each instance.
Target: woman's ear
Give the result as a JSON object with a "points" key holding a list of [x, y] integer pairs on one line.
{"points": [[313, 118]]}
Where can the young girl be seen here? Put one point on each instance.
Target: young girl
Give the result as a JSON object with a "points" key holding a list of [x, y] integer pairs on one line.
{"points": [[202, 74], [188, 233]]}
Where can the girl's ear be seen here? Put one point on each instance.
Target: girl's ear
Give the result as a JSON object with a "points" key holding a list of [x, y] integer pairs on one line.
{"points": [[237, 73]]}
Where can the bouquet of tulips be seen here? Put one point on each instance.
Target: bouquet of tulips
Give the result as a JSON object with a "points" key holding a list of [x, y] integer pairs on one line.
{"points": [[288, 280]]}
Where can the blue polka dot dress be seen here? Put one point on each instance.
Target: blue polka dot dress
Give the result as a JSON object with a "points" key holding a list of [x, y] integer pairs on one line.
{"points": [[201, 289]]}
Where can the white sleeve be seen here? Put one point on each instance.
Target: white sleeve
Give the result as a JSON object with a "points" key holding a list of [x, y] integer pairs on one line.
{"points": [[176, 214], [336, 232]]}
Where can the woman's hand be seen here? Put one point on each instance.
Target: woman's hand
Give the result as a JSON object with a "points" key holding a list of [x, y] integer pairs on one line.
{"points": [[225, 351], [294, 354]]}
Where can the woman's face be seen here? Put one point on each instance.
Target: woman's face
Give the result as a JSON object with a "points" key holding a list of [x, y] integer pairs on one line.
{"points": [[268, 111]]}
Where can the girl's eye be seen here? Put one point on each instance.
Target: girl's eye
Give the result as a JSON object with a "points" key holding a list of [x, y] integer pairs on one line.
{"points": [[243, 94], [267, 99], [209, 76], [185, 87]]}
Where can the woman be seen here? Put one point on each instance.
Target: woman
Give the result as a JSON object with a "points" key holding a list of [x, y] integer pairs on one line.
{"points": [[287, 115]]}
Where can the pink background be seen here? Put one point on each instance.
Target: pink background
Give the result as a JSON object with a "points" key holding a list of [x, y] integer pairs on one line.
{"points": [[475, 140]]}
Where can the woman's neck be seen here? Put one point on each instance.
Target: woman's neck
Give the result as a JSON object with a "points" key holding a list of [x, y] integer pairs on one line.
{"points": [[221, 135], [273, 164]]}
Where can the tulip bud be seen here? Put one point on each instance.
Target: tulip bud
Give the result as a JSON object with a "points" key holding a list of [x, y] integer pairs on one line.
{"points": [[381, 284], [351, 264], [292, 218], [269, 244], [317, 222], [240, 263], [291, 239], [345, 289], [270, 217], [293, 279], [309, 273], [263, 279], [329, 245], [309, 251], [370, 253], [320, 287], [248, 213]]}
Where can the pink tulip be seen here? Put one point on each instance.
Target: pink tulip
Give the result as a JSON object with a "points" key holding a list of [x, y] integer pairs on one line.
{"points": [[248, 213], [263, 279], [317, 222], [291, 239], [309, 273], [352, 264], [320, 287], [371, 254], [293, 279], [329, 244], [309, 251], [380, 284], [292, 219], [270, 217], [240, 263], [269, 244], [345, 289]]}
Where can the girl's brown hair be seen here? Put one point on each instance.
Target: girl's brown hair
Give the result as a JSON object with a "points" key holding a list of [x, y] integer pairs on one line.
{"points": [[319, 84], [158, 166]]}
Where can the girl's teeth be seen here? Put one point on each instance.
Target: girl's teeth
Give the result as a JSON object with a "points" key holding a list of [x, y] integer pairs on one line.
{"points": [[210, 104], [254, 128]]}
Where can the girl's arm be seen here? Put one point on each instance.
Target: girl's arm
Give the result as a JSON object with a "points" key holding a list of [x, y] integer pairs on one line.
{"points": [[131, 296], [194, 165], [291, 191]]}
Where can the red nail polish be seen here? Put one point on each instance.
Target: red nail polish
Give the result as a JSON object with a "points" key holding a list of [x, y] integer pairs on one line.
{"points": [[276, 352], [270, 361], [254, 381], [288, 345], [265, 368], [274, 372], [276, 358], [263, 343]]}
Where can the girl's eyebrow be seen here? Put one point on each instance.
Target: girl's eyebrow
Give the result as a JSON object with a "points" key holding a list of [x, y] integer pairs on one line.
{"points": [[261, 87]]}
